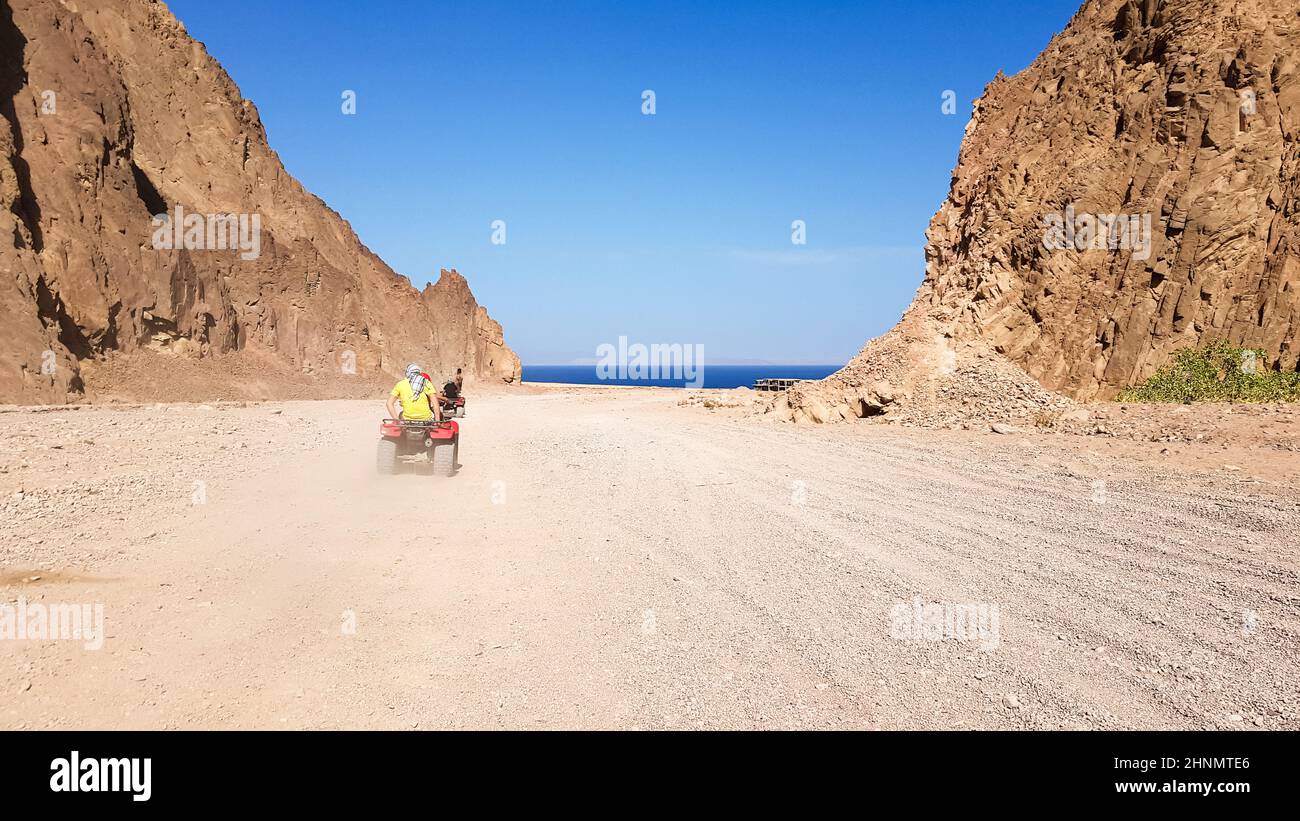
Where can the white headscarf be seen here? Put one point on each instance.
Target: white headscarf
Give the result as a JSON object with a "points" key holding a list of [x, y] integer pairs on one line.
{"points": [[415, 376]]}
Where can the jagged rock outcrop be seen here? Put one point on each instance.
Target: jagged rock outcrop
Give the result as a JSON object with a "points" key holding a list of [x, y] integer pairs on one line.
{"points": [[1183, 115], [463, 326], [109, 114]]}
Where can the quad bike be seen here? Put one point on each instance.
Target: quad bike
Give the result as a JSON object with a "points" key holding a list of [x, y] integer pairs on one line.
{"points": [[401, 438], [454, 407]]}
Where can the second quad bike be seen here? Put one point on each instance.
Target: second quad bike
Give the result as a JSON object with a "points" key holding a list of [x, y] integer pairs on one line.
{"points": [[453, 401], [403, 438], [454, 406]]}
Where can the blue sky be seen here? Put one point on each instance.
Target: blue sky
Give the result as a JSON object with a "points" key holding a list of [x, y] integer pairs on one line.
{"points": [[671, 227]]}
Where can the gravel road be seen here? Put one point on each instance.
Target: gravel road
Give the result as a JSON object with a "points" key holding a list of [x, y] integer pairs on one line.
{"points": [[607, 559]]}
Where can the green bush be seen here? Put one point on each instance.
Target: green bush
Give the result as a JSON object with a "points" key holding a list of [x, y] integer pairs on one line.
{"points": [[1219, 372]]}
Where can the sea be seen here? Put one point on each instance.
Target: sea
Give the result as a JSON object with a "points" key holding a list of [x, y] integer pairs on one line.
{"points": [[715, 376]]}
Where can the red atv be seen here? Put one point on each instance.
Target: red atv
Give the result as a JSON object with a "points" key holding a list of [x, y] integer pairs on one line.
{"points": [[453, 401], [454, 407], [402, 437]]}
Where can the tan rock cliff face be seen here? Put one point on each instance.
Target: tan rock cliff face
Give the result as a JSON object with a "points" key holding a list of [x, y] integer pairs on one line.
{"points": [[110, 113], [1185, 113]]}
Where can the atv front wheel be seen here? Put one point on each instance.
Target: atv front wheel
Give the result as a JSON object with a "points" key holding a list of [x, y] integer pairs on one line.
{"points": [[386, 457], [444, 459]]}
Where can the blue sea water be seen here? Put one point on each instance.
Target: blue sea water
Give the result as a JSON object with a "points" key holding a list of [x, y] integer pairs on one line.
{"points": [[715, 376]]}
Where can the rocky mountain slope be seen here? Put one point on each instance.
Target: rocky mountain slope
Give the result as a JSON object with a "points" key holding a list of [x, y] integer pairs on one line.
{"points": [[110, 114], [1134, 191]]}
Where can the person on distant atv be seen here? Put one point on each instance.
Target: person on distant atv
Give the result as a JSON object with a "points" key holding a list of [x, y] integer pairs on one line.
{"points": [[438, 398], [452, 390], [418, 399]]}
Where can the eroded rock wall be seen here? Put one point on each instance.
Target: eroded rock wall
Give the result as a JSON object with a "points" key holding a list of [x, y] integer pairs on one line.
{"points": [[109, 114]]}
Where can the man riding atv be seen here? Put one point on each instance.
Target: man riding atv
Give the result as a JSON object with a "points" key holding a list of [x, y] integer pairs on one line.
{"points": [[453, 402], [417, 428], [451, 389], [420, 402]]}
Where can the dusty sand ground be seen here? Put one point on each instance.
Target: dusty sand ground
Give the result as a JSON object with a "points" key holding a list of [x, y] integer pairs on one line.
{"points": [[606, 558]]}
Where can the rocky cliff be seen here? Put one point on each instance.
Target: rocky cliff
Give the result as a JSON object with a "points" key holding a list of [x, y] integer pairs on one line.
{"points": [[1134, 191], [110, 114]]}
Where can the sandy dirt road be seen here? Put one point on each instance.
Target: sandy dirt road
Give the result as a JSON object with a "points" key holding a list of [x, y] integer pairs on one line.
{"points": [[606, 559]]}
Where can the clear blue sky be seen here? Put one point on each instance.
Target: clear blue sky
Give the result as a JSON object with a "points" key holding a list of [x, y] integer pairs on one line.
{"points": [[666, 228]]}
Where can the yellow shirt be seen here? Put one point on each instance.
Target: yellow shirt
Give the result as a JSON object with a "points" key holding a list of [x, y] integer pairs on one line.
{"points": [[416, 408]]}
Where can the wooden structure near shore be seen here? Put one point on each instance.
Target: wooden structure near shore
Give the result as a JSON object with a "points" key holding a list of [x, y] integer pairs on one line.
{"points": [[774, 384]]}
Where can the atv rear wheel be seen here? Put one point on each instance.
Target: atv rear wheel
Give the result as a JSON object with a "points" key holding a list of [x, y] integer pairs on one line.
{"points": [[386, 457], [444, 459]]}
